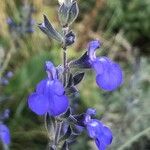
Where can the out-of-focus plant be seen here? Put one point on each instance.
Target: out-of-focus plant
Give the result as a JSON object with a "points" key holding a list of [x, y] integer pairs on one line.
{"points": [[4, 130], [130, 17], [24, 25], [53, 95]]}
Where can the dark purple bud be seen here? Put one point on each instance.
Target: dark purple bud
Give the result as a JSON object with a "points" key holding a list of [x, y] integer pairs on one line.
{"points": [[70, 38]]}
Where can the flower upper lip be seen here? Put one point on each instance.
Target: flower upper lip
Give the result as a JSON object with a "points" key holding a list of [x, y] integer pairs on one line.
{"points": [[109, 75]]}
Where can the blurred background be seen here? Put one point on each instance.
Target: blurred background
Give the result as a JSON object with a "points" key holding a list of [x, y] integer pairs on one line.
{"points": [[122, 26]]}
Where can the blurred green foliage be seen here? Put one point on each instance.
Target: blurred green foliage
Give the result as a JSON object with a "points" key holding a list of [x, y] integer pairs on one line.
{"points": [[126, 110]]}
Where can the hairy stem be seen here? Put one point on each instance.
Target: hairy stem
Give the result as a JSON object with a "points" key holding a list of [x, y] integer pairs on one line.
{"points": [[64, 66], [57, 134], [65, 31]]}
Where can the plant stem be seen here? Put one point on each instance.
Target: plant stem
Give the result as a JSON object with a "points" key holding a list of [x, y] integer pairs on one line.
{"points": [[5, 147], [64, 65], [65, 31], [58, 130]]}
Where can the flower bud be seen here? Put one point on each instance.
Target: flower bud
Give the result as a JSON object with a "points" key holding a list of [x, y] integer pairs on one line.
{"points": [[70, 38]]}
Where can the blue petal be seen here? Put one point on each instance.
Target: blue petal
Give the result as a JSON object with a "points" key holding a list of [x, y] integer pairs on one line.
{"points": [[94, 127], [107, 135], [4, 134], [100, 145], [92, 46], [103, 138], [98, 66], [58, 105], [45, 87], [111, 77], [99, 132], [38, 103], [41, 86], [58, 88]]}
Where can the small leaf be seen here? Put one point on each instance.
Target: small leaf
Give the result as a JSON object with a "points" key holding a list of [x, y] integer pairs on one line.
{"points": [[52, 148], [68, 2], [63, 14], [72, 138], [71, 90], [78, 78], [66, 135], [66, 114], [82, 62], [70, 81], [65, 146], [73, 12], [49, 30]]}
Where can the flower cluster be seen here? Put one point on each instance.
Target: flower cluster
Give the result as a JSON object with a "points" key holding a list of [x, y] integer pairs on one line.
{"points": [[53, 96]]}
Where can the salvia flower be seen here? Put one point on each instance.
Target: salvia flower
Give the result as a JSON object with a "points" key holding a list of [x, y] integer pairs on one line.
{"points": [[97, 131], [109, 75], [4, 134], [49, 96]]}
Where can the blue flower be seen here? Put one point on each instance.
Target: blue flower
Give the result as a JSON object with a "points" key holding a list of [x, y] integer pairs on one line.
{"points": [[49, 96], [109, 75], [4, 134], [98, 131]]}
